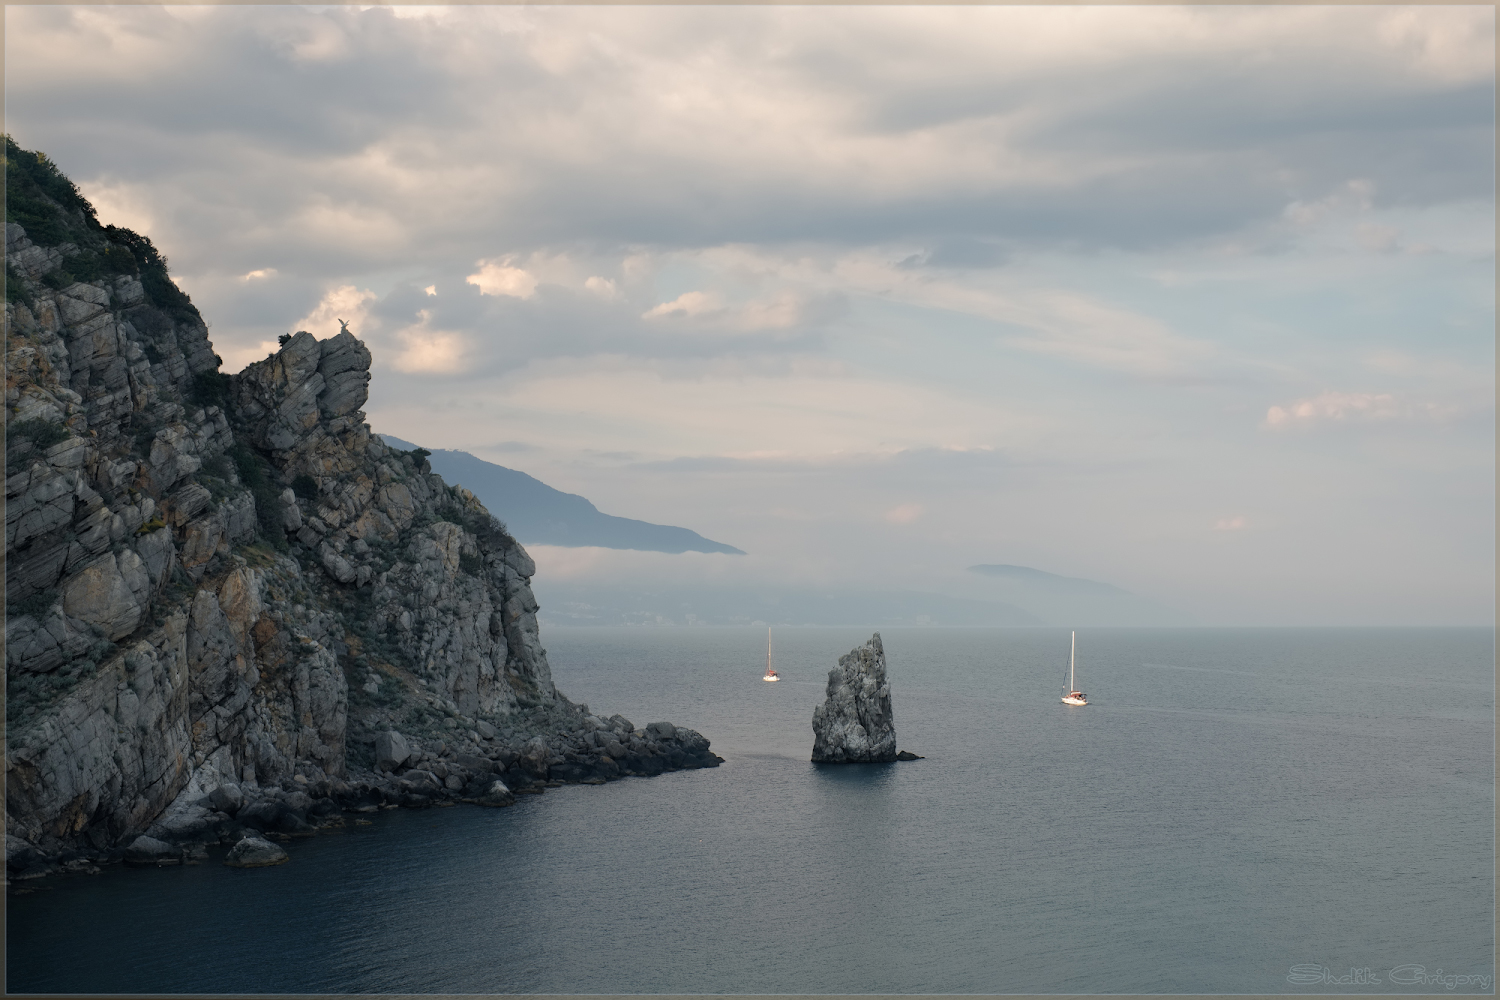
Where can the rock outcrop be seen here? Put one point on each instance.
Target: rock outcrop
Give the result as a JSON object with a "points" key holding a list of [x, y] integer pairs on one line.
{"points": [[854, 724], [230, 607]]}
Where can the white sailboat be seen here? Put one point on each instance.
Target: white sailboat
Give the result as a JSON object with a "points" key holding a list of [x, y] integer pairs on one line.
{"points": [[1073, 696], [770, 672]]}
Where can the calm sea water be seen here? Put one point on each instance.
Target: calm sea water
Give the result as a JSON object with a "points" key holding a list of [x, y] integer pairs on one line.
{"points": [[1233, 804]]}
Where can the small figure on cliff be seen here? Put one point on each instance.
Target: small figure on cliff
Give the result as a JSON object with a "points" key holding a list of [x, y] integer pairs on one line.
{"points": [[344, 327]]}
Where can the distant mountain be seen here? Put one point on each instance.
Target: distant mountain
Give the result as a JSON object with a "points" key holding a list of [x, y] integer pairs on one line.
{"points": [[1050, 581], [537, 514], [583, 603], [1071, 600]]}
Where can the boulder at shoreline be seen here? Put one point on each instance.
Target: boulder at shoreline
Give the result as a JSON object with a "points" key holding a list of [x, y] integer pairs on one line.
{"points": [[254, 852]]}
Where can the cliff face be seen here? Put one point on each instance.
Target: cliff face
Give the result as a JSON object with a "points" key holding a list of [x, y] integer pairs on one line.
{"points": [[219, 581]]}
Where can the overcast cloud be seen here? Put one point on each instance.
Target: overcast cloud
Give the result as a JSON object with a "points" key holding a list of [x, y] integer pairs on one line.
{"points": [[1197, 301]]}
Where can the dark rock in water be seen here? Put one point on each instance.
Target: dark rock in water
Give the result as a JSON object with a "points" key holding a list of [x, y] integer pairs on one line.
{"points": [[20, 854], [495, 794], [253, 852], [150, 851], [662, 730], [908, 755], [294, 824], [855, 724]]}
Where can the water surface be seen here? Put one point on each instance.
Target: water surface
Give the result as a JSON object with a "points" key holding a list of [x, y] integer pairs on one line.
{"points": [[1232, 804]]}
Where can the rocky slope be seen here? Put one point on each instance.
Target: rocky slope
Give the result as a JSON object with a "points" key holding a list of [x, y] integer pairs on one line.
{"points": [[230, 608]]}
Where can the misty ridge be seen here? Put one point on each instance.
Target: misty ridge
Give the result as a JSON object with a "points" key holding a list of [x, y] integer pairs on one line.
{"points": [[538, 514]]}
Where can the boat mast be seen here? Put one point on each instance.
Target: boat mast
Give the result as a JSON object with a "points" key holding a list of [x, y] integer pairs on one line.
{"points": [[768, 652], [1071, 652]]}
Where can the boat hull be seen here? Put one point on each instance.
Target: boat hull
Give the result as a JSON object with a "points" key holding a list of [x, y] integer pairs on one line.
{"points": [[1069, 699]]}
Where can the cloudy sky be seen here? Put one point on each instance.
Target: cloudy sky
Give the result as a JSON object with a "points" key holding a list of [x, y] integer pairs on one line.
{"points": [[1195, 301]]}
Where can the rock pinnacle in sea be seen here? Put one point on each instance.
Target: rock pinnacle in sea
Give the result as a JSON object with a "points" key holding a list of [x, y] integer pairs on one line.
{"points": [[855, 725]]}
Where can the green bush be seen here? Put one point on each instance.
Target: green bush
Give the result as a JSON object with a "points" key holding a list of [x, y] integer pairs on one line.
{"points": [[36, 605], [85, 266], [57, 279], [117, 260], [15, 289], [305, 486], [42, 433], [255, 472], [210, 389], [471, 564]]}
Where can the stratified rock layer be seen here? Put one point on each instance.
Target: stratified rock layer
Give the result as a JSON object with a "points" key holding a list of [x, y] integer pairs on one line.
{"points": [[855, 725]]}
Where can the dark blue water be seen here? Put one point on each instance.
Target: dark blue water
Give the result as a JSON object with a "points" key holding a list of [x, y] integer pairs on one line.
{"points": [[1233, 804]]}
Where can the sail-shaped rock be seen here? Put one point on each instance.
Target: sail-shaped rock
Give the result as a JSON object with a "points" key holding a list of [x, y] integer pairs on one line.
{"points": [[855, 725]]}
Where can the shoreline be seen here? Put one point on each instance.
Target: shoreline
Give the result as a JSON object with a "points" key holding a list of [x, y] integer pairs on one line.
{"points": [[433, 774]]}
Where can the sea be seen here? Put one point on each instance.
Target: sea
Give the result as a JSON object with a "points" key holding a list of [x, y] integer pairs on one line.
{"points": [[1236, 811]]}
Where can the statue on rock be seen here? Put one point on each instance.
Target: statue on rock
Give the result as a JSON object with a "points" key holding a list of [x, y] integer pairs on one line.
{"points": [[855, 724]]}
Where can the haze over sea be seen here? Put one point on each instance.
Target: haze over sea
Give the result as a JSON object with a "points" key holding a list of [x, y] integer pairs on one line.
{"points": [[1233, 804]]}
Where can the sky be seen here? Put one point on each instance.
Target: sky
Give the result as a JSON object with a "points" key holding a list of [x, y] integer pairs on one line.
{"points": [[1197, 301]]}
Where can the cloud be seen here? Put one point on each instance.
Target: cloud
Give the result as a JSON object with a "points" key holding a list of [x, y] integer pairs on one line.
{"points": [[1236, 523], [1353, 407], [428, 351], [687, 304], [786, 310], [904, 514], [605, 288], [264, 272], [499, 278], [346, 302]]}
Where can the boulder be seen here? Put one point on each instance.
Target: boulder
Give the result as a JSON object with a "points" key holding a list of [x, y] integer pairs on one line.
{"points": [[662, 730], [485, 730], [496, 794], [150, 851], [254, 852], [855, 724], [227, 798], [391, 751], [263, 815]]}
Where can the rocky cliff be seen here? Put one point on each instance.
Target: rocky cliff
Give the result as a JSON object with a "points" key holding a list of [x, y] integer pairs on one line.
{"points": [[854, 724], [229, 605]]}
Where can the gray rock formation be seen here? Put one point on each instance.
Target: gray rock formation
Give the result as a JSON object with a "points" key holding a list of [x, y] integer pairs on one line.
{"points": [[854, 724], [391, 751], [222, 589], [256, 852]]}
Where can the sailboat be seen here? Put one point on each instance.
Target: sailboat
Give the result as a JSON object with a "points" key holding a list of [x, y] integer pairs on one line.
{"points": [[770, 673], [1074, 696]]}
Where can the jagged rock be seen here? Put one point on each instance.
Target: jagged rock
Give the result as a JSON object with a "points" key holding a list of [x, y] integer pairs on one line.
{"points": [[855, 724], [391, 751], [255, 852], [662, 730]]}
